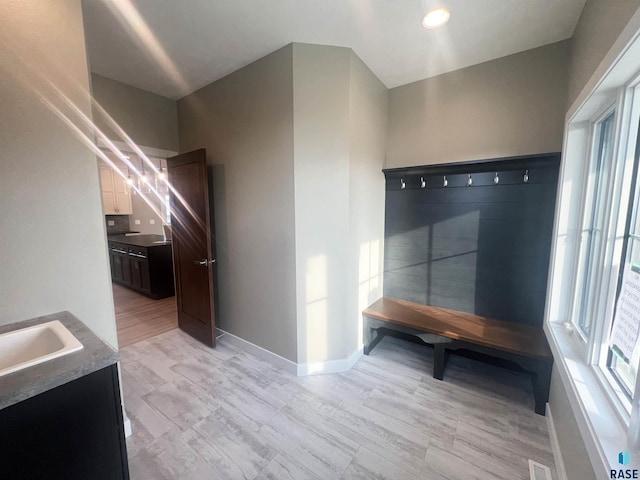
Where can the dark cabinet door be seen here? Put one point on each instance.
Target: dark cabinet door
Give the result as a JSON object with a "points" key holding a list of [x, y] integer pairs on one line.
{"points": [[120, 264], [116, 266], [126, 269], [122, 268], [140, 273], [73, 432], [136, 274], [145, 283], [139, 258], [111, 260], [147, 270]]}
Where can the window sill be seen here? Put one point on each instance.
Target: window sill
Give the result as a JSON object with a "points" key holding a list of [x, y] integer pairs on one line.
{"points": [[602, 428]]}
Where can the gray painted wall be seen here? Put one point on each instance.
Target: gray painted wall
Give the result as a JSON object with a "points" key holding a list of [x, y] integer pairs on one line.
{"points": [[299, 195], [514, 105], [321, 163], [245, 121], [144, 212], [149, 119], [52, 232], [574, 453], [340, 120], [368, 113], [599, 26]]}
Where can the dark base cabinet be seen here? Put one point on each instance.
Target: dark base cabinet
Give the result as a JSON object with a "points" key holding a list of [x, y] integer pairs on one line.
{"points": [[145, 269], [120, 264], [73, 432]]}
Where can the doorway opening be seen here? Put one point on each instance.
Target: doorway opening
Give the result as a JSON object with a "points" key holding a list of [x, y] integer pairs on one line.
{"points": [[138, 223]]}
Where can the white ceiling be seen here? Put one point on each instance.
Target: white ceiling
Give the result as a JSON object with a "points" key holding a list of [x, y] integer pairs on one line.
{"points": [[174, 47]]}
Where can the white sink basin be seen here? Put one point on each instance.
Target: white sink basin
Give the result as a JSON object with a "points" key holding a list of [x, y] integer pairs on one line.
{"points": [[33, 345]]}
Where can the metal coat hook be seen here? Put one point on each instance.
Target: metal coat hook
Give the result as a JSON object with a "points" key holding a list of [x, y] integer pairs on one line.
{"points": [[470, 181], [496, 179], [445, 182], [526, 176], [402, 184], [423, 184]]}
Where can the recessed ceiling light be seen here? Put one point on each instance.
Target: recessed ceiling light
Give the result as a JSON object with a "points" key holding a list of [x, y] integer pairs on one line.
{"points": [[436, 18]]}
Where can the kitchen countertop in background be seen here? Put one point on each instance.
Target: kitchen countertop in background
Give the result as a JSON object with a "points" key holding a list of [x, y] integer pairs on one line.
{"points": [[140, 240], [29, 382]]}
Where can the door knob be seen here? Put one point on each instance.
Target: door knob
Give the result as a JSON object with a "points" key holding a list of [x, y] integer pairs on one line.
{"points": [[204, 262]]}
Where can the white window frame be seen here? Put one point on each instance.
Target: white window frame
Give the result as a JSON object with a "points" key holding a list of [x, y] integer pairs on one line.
{"points": [[602, 410], [626, 129], [597, 266], [605, 261]]}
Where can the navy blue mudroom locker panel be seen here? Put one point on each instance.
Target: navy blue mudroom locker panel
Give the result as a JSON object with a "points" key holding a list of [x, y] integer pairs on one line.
{"points": [[480, 244]]}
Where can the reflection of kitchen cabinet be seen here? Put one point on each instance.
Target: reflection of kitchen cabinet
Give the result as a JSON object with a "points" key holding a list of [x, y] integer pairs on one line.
{"points": [[115, 198]]}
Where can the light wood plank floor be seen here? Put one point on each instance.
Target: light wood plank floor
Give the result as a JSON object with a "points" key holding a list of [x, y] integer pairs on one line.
{"points": [[200, 413], [139, 317]]}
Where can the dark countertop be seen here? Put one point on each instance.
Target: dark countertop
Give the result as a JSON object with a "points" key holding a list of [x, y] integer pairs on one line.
{"points": [[139, 240], [115, 234], [29, 382]]}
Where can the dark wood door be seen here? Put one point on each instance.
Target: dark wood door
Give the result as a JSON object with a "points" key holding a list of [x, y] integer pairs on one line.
{"points": [[193, 251]]}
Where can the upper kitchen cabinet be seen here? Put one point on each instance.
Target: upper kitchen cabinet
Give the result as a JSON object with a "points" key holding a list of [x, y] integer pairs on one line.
{"points": [[115, 198]]}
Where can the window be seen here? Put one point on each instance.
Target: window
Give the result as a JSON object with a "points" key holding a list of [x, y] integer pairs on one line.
{"points": [[591, 237], [608, 207], [625, 368], [606, 212]]}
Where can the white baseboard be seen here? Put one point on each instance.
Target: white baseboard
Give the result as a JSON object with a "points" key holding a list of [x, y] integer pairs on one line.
{"points": [[555, 445], [263, 354], [330, 366], [298, 369]]}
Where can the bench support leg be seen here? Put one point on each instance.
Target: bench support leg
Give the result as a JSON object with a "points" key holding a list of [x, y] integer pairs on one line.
{"points": [[372, 337], [440, 355], [541, 380]]}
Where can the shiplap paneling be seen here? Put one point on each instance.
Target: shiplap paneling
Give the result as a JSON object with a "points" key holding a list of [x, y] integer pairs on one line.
{"points": [[481, 249]]}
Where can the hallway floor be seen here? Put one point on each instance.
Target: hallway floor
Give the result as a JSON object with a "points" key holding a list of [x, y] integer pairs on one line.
{"points": [[139, 317], [200, 413]]}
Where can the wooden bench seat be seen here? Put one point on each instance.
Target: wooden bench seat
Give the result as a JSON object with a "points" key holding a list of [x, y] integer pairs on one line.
{"points": [[526, 345]]}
